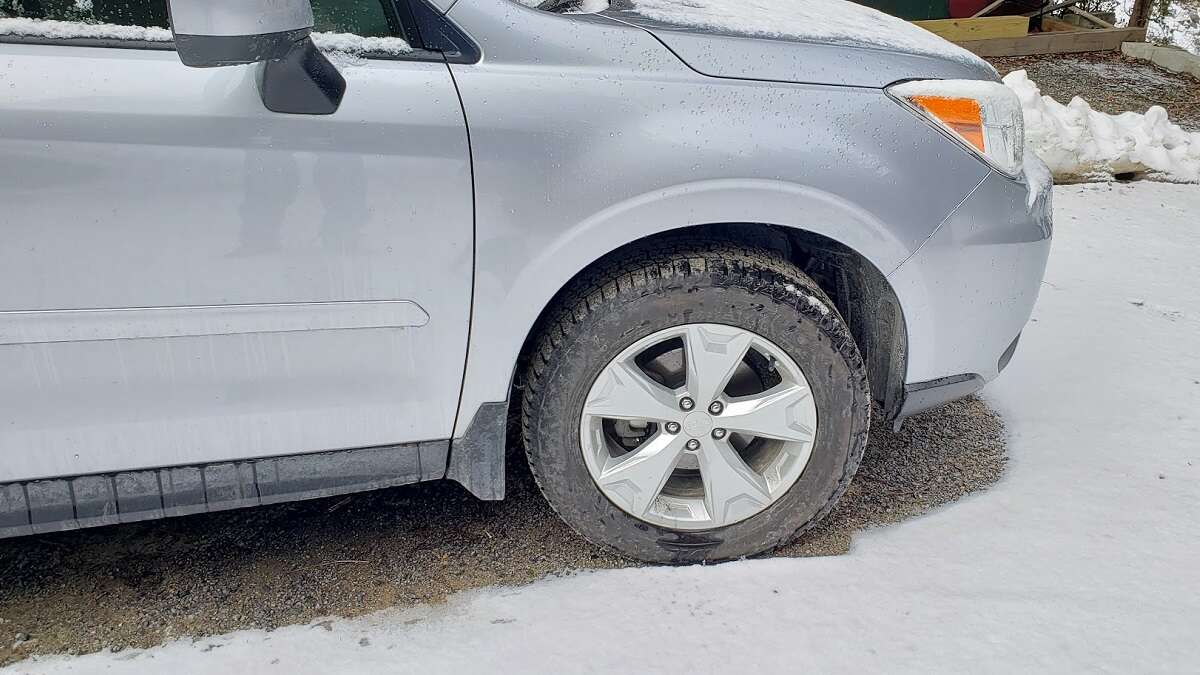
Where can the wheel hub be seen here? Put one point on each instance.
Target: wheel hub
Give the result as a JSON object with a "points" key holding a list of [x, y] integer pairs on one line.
{"points": [[725, 436], [698, 424]]}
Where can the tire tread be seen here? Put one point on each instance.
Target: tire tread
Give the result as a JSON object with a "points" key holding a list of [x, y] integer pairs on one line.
{"points": [[670, 264]]}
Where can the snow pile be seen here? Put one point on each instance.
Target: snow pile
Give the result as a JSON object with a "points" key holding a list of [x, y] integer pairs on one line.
{"points": [[1076, 141], [333, 42]]}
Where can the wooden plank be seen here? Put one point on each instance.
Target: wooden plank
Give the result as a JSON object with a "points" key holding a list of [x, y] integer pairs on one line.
{"points": [[1057, 42], [1047, 9], [1050, 23], [1091, 17], [987, 10], [983, 28]]}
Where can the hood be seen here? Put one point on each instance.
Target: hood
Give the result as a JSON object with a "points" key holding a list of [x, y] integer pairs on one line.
{"points": [[802, 41]]}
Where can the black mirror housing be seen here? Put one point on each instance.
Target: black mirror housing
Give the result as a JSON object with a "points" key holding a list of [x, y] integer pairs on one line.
{"points": [[210, 33], [303, 82], [295, 77], [212, 51]]}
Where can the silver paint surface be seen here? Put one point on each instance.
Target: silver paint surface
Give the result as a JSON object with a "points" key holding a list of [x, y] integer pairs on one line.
{"points": [[139, 323], [239, 17], [131, 181]]}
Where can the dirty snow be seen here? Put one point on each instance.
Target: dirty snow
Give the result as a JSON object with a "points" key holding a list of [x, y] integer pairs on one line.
{"points": [[334, 42], [1083, 558], [1076, 141]]}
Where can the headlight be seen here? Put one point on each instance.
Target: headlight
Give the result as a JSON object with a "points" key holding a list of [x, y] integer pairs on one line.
{"points": [[984, 116]]}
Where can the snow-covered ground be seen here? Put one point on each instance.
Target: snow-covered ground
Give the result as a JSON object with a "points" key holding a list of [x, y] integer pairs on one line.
{"points": [[1084, 558]]}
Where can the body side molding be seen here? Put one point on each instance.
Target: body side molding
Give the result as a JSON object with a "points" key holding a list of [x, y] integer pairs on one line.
{"points": [[42, 506], [85, 325]]}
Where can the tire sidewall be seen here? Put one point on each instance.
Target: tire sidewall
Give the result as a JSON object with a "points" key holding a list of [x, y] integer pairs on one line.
{"points": [[794, 316]]}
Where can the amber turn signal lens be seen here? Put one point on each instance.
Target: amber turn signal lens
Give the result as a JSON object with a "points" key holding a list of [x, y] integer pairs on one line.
{"points": [[961, 115]]}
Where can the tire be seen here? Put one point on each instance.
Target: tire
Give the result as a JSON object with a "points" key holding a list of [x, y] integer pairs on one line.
{"points": [[678, 283]]}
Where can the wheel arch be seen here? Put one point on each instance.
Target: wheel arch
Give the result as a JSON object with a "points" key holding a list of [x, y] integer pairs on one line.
{"points": [[859, 290], [843, 246]]}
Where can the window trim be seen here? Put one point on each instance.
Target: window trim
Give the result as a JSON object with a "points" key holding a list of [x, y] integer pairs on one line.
{"points": [[417, 54], [410, 16]]}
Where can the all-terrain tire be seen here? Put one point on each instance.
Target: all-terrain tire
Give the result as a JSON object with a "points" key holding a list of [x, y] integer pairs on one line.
{"points": [[677, 283]]}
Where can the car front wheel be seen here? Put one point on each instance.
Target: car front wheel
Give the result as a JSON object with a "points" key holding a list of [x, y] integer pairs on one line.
{"points": [[701, 402]]}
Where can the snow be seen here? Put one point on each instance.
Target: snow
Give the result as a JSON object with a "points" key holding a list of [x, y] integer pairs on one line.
{"points": [[1082, 559], [334, 42], [349, 43], [1037, 176], [1076, 141], [818, 20], [999, 106], [77, 29], [1003, 99]]}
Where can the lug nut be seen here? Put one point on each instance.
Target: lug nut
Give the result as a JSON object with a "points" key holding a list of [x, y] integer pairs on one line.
{"points": [[716, 408], [672, 427], [718, 433], [693, 445], [686, 403]]}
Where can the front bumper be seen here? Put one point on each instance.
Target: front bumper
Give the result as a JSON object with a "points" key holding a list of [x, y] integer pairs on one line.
{"points": [[970, 289]]}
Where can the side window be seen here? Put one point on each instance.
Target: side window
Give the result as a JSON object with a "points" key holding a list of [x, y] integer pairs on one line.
{"points": [[149, 13], [368, 18]]}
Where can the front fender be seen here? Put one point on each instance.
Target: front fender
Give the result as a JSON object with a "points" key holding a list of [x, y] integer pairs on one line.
{"points": [[508, 306], [587, 135]]}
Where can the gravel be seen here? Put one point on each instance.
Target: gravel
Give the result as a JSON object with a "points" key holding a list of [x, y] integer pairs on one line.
{"points": [[1111, 83], [141, 584]]}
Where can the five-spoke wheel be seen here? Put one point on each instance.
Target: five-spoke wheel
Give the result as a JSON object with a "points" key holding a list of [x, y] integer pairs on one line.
{"points": [[697, 402], [664, 458]]}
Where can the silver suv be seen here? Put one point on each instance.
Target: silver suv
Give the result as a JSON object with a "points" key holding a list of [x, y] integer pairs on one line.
{"points": [[685, 263]]}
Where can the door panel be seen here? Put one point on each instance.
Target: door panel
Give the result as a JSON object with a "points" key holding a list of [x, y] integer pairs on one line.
{"points": [[186, 277]]}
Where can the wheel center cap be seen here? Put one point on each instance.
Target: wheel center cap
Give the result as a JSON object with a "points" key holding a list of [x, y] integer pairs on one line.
{"points": [[697, 424]]}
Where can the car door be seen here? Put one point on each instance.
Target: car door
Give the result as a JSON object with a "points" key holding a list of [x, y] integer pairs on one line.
{"points": [[188, 278]]}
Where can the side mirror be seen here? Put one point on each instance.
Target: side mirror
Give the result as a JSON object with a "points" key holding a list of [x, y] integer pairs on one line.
{"points": [[295, 77]]}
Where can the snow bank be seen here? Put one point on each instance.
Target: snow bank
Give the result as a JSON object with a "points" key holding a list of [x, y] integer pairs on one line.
{"points": [[334, 42], [1076, 141]]}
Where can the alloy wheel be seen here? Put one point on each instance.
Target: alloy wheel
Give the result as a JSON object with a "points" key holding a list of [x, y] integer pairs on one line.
{"points": [[698, 426]]}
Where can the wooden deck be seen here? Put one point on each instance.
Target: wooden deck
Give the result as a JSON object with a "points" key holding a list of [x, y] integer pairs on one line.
{"points": [[1009, 35], [1057, 42]]}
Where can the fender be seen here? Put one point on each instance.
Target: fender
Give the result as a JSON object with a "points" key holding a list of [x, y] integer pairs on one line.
{"points": [[503, 317]]}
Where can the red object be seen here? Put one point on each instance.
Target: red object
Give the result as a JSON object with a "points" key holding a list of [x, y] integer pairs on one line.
{"points": [[961, 9]]}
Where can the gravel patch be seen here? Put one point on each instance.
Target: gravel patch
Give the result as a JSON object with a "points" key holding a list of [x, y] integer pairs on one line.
{"points": [[141, 584], [1111, 83]]}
